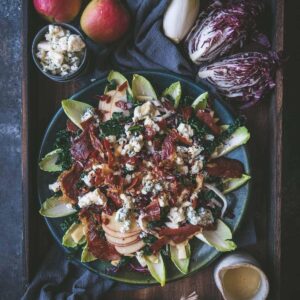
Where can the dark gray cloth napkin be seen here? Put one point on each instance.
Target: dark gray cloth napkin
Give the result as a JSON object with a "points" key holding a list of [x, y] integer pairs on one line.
{"points": [[145, 47]]}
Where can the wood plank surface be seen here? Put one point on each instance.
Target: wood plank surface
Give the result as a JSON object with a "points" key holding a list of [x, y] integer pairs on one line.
{"points": [[41, 99]]}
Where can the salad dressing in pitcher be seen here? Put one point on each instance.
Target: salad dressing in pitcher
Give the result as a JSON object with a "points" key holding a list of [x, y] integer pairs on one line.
{"points": [[241, 283]]}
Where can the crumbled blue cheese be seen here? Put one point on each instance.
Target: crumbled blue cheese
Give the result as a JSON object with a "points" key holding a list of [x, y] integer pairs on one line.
{"points": [[197, 167], [129, 167], [87, 178], [89, 113], [142, 111], [185, 130], [163, 200], [147, 187], [75, 43], [128, 178], [111, 138], [179, 161], [149, 122], [148, 184], [94, 197], [203, 217], [123, 216], [183, 169], [55, 187], [209, 137], [142, 234], [134, 146], [176, 215], [194, 151], [61, 52], [125, 226], [127, 201]]}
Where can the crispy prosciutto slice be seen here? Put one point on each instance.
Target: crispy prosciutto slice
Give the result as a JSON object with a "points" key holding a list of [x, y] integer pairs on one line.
{"points": [[181, 234], [98, 246], [208, 120], [152, 211], [185, 230], [95, 141], [159, 243], [186, 112], [81, 147], [71, 127], [68, 180], [225, 168]]}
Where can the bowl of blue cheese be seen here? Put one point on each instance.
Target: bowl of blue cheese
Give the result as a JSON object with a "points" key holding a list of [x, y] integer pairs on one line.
{"points": [[60, 52]]}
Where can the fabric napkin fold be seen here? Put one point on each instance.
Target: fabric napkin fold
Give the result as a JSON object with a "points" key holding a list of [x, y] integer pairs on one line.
{"points": [[145, 47]]}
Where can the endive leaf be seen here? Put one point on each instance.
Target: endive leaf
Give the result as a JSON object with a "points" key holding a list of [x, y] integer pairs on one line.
{"points": [[157, 269], [56, 207], [48, 163], [220, 238], [75, 110], [141, 88]]}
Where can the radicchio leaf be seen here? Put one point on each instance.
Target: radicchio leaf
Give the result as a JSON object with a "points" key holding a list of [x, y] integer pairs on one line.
{"points": [[244, 76], [222, 27]]}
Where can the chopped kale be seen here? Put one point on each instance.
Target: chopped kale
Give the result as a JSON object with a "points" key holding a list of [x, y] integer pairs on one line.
{"points": [[187, 101], [114, 126], [200, 129], [63, 142], [136, 128], [149, 239], [147, 250]]}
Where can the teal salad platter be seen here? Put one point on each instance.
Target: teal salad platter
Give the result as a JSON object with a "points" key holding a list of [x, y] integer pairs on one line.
{"points": [[201, 254]]}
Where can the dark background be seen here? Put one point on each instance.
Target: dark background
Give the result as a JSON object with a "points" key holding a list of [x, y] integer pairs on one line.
{"points": [[11, 211]]}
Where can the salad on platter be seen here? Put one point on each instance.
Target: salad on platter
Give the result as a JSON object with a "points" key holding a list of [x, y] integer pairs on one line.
{"points": [[144, 174]]}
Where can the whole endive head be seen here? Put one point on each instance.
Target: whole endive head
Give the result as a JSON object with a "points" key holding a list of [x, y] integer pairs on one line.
{"points": [[220, 28], [179, 18]]}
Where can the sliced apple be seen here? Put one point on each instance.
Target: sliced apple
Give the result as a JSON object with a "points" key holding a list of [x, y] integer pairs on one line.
{"points": [[118, 234], [114, 225], [113, 105], [122, 244], [130, 249], [121, 241]]}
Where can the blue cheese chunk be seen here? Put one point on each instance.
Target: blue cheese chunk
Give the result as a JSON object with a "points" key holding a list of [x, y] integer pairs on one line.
{"points": [[123, 217], [142, 111], [94, 197], [134, 146], [127, 201], [176, 215], [54, 187], [149, 122], [185, 130], [203, 217]]}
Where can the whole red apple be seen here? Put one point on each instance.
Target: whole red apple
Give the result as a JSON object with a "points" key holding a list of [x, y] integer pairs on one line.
{"points": [[105, 21], [58, 10]]}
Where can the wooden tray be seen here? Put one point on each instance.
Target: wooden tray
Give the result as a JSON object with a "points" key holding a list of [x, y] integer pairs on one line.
{"points": [[41, 98]]}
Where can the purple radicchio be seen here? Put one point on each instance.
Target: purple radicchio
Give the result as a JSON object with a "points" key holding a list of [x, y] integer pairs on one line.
{"points": [[243, 76], [221, 28]]}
